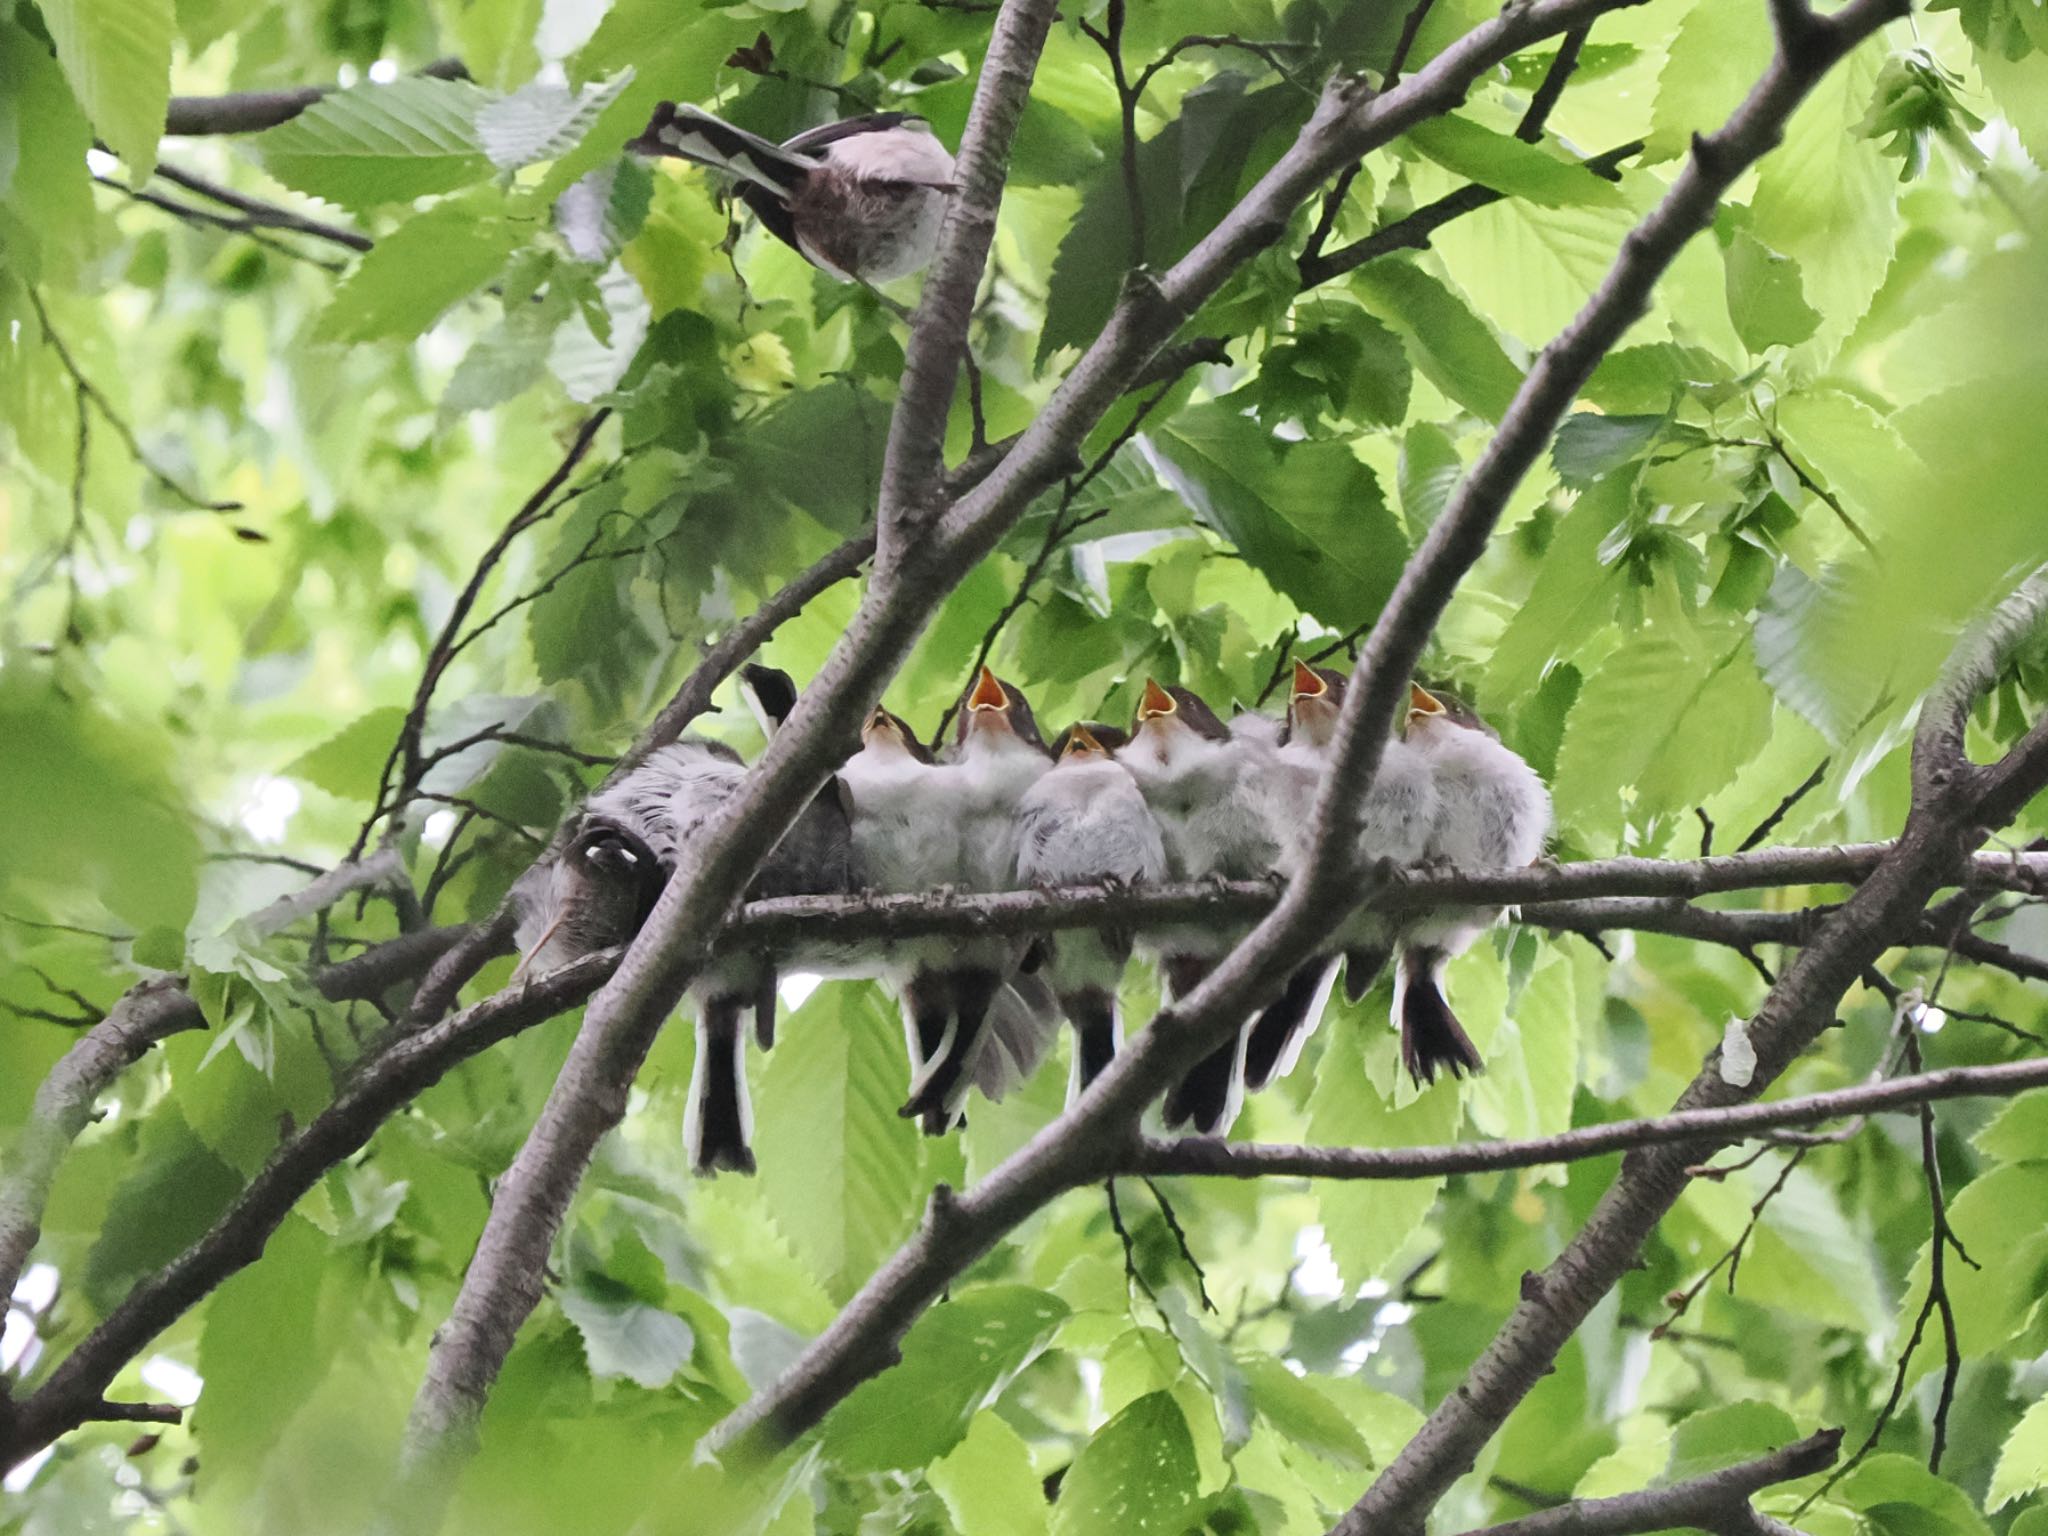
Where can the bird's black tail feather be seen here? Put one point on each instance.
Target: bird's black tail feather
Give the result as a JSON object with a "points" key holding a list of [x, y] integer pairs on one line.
{"points": [[718, 1126], [1362, 967], [936, 1092], [1208, 1097], [1092, 1011], [1431, 1036], [1279, 1033], [690, 134]]}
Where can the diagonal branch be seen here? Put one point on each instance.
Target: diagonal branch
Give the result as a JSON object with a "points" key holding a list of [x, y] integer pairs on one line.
{"points": [[1714, 1501]]}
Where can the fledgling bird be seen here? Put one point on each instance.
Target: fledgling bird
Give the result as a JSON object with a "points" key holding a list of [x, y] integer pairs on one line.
{"points": [[1492, 813], [1209, 786], [1085, 822], [596, 894], [967, 1016], [664, 801], [1394, 825], [861, 199]]}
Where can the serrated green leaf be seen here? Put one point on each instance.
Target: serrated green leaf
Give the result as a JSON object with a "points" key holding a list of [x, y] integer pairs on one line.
{"points": [[376, 144], [542, 121], [957, 1359], [1716, 52], [414, 274], [117, 56], [2019, 1132], [1589, 445], [2001, 1219], [2023, 1463], [624, 1335], [987, 1483], [1296, 1407], [1448, 343], [1901, 1497], [1510, 166], [349, 762], [1307, 516], [1572, 597], [839, 1166], [1135, 1477], [1727, 1435], [1766, 298], [44, 181], [262, 1351]]}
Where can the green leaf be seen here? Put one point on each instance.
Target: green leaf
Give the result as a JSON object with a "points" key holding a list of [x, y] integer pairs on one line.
{"points": [[1766, 299], [1536, 267], [839, 1166], [1674, 713], [2019, 1132], [1715, 1438], [412, 275], [987, 1483], [262, 1351], [45, 185], [1296, 1407], [541, 121], [1590, 445], [170, 1197], [1135, 1477], [624, 1335], [1308, 516], [2023, 1464], [957, 1359], [1428, 472], [1572, 597], [1825, 196], [1902, 1498], [376, 144], [117, 56], [1716, 52], [348, 763], [2001, 1219], [1510, 166], [1450, 344]]}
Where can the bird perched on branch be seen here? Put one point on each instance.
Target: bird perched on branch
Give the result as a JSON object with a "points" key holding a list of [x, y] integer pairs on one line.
{"points": [[596, 894], [968, 1017], [664, 802], [861, 199], [1082, 823], [1492, 813], [1210, 787], [1395, 821]]}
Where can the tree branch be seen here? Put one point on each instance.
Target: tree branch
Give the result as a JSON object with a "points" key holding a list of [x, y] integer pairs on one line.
{"points": [[1212, 1157], [252, 111], [1715, 1501]]}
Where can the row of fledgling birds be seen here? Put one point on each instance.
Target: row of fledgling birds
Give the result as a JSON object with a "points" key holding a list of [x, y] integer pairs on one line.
{"points": [[1180, 796]]}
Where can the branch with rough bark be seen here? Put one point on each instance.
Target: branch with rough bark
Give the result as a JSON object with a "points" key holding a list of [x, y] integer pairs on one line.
{"points": [[957, 1230], [1714, 1501]]}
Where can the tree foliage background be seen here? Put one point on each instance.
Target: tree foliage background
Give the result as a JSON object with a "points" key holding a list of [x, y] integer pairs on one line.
{"points": [[256, 451]]}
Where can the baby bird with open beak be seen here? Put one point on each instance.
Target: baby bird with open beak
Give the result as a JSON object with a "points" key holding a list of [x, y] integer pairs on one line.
{"points": [[1084, 823], [1492, 813], [1210, 788], [1394, 825]]}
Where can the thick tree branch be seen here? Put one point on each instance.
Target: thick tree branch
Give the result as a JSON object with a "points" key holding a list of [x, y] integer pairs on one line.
{"points": [[1715, 1501], [913, 464], [589, 1097], [402, 1068], [1211, 1157]]}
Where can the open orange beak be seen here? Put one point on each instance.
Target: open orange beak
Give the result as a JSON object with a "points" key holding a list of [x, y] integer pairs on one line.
{"points": [[1082, 742], [1307, 685], [1422, 702], [1156, 703], [989, 693]]}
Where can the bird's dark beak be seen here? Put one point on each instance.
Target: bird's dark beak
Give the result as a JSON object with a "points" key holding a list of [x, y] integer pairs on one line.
{"points": [[989, 693], [1157, 703], [1307, 684]]}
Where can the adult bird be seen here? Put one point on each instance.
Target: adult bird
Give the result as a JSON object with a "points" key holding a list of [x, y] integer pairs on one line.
{"points": [[861, 199], [1492, 813], [1085, 823], [1210, 786]]}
